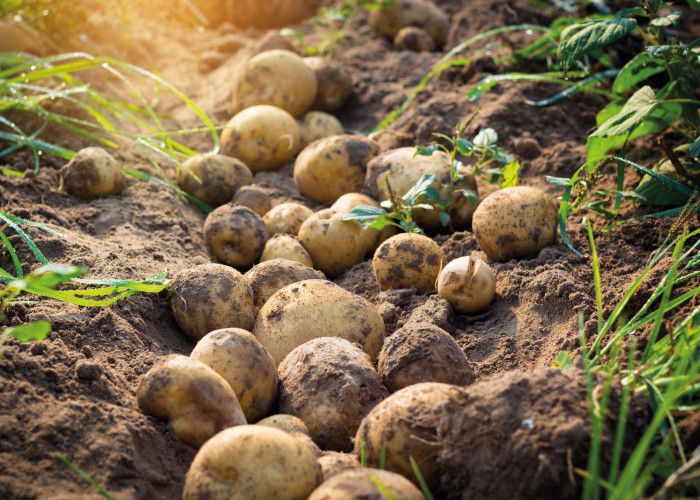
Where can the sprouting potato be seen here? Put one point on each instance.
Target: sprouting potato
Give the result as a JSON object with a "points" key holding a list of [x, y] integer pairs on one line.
{"points": [[334, 83], [214, 179], [408, 260], [272, 275], [235, 235], [286, 218], [92, 173], [414, 39], [318, 125], [254, 198], [467, 284]]}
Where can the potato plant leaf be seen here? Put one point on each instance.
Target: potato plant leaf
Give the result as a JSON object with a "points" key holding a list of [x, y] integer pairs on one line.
{"points": [[641, 67], [510, 174], [591, 37], [670, 20], [420, 189], [364, 213], [694, 150], [38, 330], [631, 115], [426, 151]]}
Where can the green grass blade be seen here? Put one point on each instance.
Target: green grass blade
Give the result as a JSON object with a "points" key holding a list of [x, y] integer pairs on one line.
{"points": [[87, 478], [421, 480], [32, 246], [144, 176], [13, 255], [596, 276]]}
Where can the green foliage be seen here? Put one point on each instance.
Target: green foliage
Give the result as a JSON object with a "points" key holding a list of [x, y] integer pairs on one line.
{"points": [[100, 489]]}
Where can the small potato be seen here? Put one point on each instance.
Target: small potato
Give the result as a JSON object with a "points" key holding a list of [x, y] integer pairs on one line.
{"points": [[252, 462], [277, 78], [330, 384], [467, 284], [214, 179], [263, 137], [317, 308], [331, 167], [286, 218], [408, 260], [284, 246], [350, 201], [361, 484], [295, 427], [414, 39], [387, 21], [318, 125], [268, 277], [334, 83], [210, 297], [197, 400], [243, 362], [515, 222], [235, 235], [254, 198], [92, 173], [337, 462]]}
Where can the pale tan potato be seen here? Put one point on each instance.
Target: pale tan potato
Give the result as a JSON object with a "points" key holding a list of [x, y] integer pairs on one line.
{"points": [[317, 308], [196, 400], [336, 462], [263, 137], [331, 167], [235, 235], [252, 462], [254, 198], [408, 260], [287, 247], [334, 83], [414, 39], [266, 278], [294, 426], [467, 284], [276, 78], [16, 36], [361, 484], [209, 297], [350, 201], [318, 125], [387, 21], [286, 218], [243, 362], [515, 222], [214, 179], [92, 173]]}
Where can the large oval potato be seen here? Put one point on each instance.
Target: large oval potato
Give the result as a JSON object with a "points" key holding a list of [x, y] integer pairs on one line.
{"points": [[285, 246], [214, 179], [235, 235], [92, 173], [408, 260], [363, 484], [286, 218], [334, 83], [266, 278], [388, 21]]}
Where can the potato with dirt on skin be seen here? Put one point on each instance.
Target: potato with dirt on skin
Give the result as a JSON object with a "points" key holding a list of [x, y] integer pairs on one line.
{"points": [[266, 278], [318, 125], [286, 218], [515, 222], [254, 198], [262, 137], [285, 246], [467, 284], [328, 168], [414, 39], [196, 400], [294, 426], [209, 297], [334, 83], [92, 173], [388, 21], [346, 203], [408, 260], [213, 178], [317, 308], [252, 462], [243, 362], [235, 235], [362, 484], [336, 462]]}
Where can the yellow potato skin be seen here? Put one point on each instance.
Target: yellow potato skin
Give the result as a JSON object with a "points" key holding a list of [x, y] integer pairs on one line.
{"points": [[359, 484], [284, 246], [372, 237], [294, 426], [334, 83], [408, 260], [92, 173], [235, 235], [467, 284], [219, 177], [388, 21], [337, 462], [286, 218], [254, 198], [414, 39], [318, 125], [266, 278]]}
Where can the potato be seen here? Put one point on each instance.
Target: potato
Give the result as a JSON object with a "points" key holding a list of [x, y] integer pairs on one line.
{"points": [[286, 218], [361, 484], [252, 462], [263, 137], [254, 198], [235, 235], [318, 125], [387, 21], [515, 222], [334, 83], [266, 278], [422, 352], [414, 39], [266, 14], [92, 173], [461, 208], [467, 284], [16, 36], [337, 462], [317, 308], [197, 400], [277, 78], [295, 427], [214, 179], [350, 201], [408, 260], [243, 362], [284, 246], [210, 297], [331, 167], [330, 384]]}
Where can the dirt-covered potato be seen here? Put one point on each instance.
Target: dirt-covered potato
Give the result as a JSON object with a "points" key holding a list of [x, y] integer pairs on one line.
{"points": [[467, 284], [214, 179], [210, 297], [331, 167], [263, 137], [408, 260], [272, 275], [92, 173], [334, 83], [277, 78], [286, 218], [348, 202], [317, 308], [243, 362], [337, 462], [196, 400], [515, 222], [330, 384], [361, 484], [294, 426], [318, 125], [284, 246], [424, 14], [252, 462], [235, 235], [414, 39], [254, 198], [422, 352]]}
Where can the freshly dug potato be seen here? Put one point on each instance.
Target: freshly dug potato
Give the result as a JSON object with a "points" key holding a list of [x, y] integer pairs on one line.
{"points": [[331, 167], [317, 308], [515, 222], [295, 427], [277, 78], [243, 362], [254, 198], [348, 202], [16, 36], [422, 352], [414, 39], [214, 179], [467, 284], [361, 484], [286, 218], [92, 173], [461, 208], [266, 278], [334, 83], [330, 384], [210, 297], [235, 235], [408, 260], [337, 462], [284, 246], [318, 125], [252, 462], [263, 137], [196, 400], [387, 21]]}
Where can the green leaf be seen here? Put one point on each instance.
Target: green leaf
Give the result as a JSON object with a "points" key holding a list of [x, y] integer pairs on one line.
{"points": [[694, 150], [38, 330], [694, 4], [444, 218], [510, 174], [657, 50], [592, 37], [558, 181], [632, 114], [364, 213], [420, 187], [641, 67], [431, 194], [465, 147], [563, 361], [670, 20], [426, 151]]}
